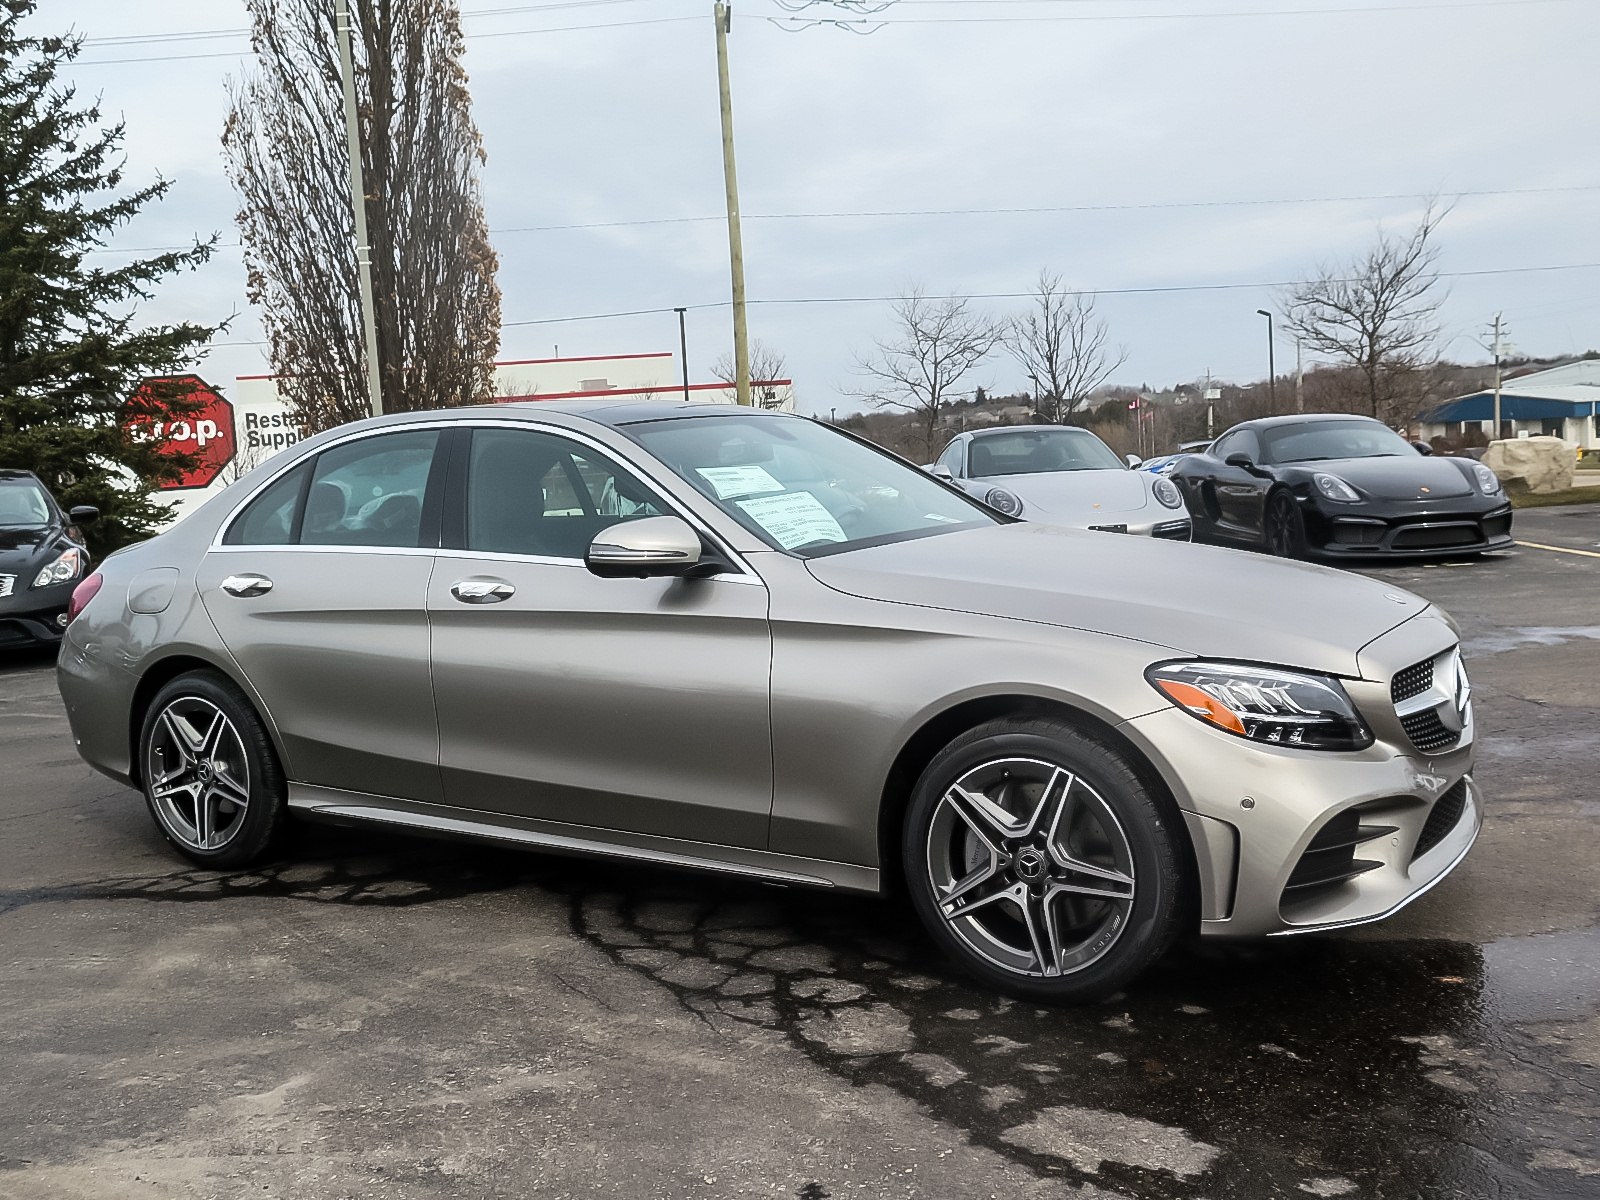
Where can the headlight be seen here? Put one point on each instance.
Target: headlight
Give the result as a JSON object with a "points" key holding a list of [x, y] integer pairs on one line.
{"points": [[1488, 481], [1003, 501], [1264, 704], [1335, 488], [1167, 492], [64, 568]]}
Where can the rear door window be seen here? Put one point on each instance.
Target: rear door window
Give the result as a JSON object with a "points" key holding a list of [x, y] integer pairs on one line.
{"points": [[370, 492]]}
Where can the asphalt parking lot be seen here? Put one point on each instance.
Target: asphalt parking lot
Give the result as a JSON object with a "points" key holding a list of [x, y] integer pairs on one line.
{"points": [[379, 1016]]}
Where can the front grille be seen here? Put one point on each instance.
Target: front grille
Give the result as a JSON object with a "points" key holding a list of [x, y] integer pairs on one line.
{"points": [[1426, 537], [1177, 530], [1494, 527], [1330, 858], [7, 582], [1352, 534], [1413, 681], [1427, 732], [1444, 817]]}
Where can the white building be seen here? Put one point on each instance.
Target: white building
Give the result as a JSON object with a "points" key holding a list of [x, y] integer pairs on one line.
{"points": [[264, 424]]}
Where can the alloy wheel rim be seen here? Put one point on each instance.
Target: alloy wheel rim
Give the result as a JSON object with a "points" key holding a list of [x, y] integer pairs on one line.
{"points": [[1030, 867], [1278, 535], [199, 775]]}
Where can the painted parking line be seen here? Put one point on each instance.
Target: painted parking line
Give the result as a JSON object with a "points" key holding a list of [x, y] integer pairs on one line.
{"points": [[1558, 549]]}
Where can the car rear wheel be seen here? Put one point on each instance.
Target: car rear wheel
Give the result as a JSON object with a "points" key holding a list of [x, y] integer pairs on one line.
{"points": [[1040, 862], [211, 779], [1285, 527]]}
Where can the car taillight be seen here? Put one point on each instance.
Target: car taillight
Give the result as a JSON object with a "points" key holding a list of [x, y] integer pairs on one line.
{"points": [[82, 594]]}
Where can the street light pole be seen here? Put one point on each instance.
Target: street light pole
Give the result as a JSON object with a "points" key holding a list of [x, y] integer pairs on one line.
{"points": [[741, 339], [1272, 368], [683, 350], [358, 202], [1498, 433]]}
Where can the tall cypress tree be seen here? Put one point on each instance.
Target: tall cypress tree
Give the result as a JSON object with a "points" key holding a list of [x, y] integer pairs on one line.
{"points": [[71, 356]]}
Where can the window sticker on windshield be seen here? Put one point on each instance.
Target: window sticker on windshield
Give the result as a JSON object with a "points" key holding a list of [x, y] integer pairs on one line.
{"points": [[941, 518], [731, 482], [794, 519]]}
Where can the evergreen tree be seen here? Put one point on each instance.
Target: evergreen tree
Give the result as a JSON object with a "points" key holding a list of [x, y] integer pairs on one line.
{"points": [[71, 356]]}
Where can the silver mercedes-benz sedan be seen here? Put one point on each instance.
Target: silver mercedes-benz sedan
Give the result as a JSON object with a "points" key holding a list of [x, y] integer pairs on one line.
{"points": [[747, 642]]}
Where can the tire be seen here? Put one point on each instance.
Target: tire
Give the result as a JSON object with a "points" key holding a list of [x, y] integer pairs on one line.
{"points": [[211, 778], [1040, 863], [1283, 526]]}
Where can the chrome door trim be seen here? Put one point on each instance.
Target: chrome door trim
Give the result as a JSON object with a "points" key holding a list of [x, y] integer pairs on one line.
{"points": [[332, 804]]}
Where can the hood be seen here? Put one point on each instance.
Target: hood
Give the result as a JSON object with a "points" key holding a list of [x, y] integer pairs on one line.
{"points": [[1191, 599], [26, 541], [1399, 477], [1080, 497]]}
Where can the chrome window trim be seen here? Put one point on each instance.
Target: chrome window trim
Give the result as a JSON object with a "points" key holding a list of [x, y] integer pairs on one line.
{"points": [[694, 519]]}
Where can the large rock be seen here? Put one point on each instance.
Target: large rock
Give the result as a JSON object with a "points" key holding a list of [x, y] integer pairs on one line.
{"points": [[1533, 464]]}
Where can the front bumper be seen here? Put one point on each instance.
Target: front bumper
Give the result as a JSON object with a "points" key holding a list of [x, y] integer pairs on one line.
{"points": [[1253, 812], [1405, 529], [35, 616]]}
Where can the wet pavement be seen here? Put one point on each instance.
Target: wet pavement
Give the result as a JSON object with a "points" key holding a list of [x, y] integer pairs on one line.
{"points": [[378, 1015]]}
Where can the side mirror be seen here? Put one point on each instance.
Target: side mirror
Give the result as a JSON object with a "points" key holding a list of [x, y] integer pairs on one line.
{"points": [[1239, 459], [84, 512], [1423, 448], [939, 471], [1134, 460], [640, 549]]}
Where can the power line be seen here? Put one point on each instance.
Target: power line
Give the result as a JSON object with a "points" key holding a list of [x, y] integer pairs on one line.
{"points": [[967, 212], [1443, 5]]}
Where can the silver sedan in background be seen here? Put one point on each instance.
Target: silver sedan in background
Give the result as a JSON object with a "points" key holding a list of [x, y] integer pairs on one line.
{"points": [[747, 642], [1062, 475]]}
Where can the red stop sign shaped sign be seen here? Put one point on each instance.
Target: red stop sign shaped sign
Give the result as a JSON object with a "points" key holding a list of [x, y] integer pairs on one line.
{"points": [[206, 432]]}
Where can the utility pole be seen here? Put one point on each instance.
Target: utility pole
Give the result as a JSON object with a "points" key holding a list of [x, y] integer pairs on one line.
{"points": [[741, 338], [358, 202], [1299, 379], [683, 348], [1272, 369], [1498, 322]]}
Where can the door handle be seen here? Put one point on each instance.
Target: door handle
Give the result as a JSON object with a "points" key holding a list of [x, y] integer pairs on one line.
{"points": [[247, 585], [482, 589]]}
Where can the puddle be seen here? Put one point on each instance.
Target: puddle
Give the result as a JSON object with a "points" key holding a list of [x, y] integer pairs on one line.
{"points": [[1499, 641], [1553, 977]]}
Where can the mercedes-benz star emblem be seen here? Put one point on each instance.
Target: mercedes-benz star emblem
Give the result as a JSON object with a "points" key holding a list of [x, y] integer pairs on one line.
{"points": [[1030, 864]]}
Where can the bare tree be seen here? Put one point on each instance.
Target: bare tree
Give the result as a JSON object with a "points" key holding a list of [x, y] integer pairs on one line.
{"points": [[766, 365], [1378, 316], [438, 306], [938, 344], [1062, 346]]}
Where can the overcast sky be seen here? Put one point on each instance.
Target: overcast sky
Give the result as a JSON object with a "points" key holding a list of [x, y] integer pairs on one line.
{"points": [[1194, 152]]}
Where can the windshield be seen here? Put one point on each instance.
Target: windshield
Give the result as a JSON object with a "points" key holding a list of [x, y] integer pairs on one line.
{"points": [[1317, 440], [805, 487], [1032, 451], [22, 502]]}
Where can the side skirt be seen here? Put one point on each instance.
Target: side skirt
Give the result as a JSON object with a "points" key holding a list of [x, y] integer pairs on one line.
{"points": [[341, 807]]}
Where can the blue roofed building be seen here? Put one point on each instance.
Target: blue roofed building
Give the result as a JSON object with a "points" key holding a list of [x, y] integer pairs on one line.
{"points": [[1560, 402]]}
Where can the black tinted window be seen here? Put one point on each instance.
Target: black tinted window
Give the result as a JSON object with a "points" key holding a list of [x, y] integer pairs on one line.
{"points": [[270, 518], [535, 493], [369, 493]]}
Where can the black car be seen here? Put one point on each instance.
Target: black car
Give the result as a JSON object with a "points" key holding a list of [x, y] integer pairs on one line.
{"points": [[1335, 486], [42, 558]]}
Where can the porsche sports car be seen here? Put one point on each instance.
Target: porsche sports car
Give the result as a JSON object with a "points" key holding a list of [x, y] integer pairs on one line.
{"points": [[742, 641], [1061, 475], [42, 558], [1334, 486]]}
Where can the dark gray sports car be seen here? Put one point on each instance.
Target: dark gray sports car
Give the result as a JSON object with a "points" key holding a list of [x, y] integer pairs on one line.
{"points": [[42, 557], [1337, 486]]}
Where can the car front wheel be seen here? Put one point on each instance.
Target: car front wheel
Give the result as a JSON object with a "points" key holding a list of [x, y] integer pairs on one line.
{"points": [[1285, 526], [211, 779], [1040, 862]]}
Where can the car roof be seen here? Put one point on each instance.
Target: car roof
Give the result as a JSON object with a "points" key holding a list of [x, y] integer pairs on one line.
{"points": [[983, 433], [631, 412], [13, 473], [1301, 418]]}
